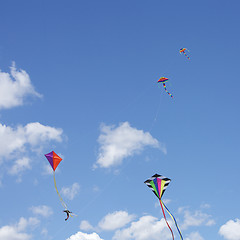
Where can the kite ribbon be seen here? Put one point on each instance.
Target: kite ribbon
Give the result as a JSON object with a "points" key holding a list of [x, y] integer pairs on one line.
{"points": [[165, 217], [186, 55], [164, 85], [62, 202], [173, 218]]}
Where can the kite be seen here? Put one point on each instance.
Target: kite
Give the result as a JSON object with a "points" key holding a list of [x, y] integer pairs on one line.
{"points": [[183, 51], [158, 184], [163, 80], [68, 214], [54, 160]]}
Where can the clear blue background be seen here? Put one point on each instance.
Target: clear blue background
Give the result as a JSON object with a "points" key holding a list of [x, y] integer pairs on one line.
{"points": [[98, 62]]}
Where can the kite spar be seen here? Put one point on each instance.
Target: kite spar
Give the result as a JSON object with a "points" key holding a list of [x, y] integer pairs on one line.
{"points": [[158, 184]]}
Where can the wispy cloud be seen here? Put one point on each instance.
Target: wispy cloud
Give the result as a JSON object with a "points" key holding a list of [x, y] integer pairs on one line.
{"points": [[20, 165], [194, 236], [42, 210], [86, 226], [196, 218], [117, 143], [71, 192], [14, 87], [231, 230]]}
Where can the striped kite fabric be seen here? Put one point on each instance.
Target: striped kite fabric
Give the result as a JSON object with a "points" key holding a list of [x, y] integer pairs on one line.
{"points": [[157, 181]]}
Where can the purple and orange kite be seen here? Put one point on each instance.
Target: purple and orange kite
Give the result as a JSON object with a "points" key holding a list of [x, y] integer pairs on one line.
{"points": [[54, 160]]}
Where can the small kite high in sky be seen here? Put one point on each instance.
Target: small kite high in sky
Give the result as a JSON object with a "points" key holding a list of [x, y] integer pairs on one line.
{"points": [[163, 80], [183, 51], [54, 160], [158, 184]]}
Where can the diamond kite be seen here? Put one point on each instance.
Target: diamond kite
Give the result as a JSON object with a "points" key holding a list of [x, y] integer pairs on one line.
{"points": [[54, 160], [158, 184]]}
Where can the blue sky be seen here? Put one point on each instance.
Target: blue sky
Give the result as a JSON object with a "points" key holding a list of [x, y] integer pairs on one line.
{"points": [[80, 78]]}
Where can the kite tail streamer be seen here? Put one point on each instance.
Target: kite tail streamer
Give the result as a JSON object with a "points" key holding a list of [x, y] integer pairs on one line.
{"points": [[173, 218], [62, 202], [164, 85], [187, 56], [165, 218]]}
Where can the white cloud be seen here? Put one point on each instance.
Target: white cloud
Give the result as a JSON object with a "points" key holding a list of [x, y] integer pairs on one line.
{"points": [[14, 87], [36, 132], [117, 143], [115, 220], [147, 227], [11, 233], [24, 223], [197, 218], [194, 236], [231, 230], [85, 236], [85, 226], [20, 165], [42, 210], [16, 232], [16, 139], [71, 192]]}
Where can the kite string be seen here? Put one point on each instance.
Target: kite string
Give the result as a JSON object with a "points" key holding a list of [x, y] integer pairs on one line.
{"points": [[55, 184], [165, 218], [156, 117], [173, 218]]}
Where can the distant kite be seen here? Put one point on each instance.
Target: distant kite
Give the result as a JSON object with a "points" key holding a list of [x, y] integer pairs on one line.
{"points": [[54, 160], [163, 80], [158, 184], [183, 51]]}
